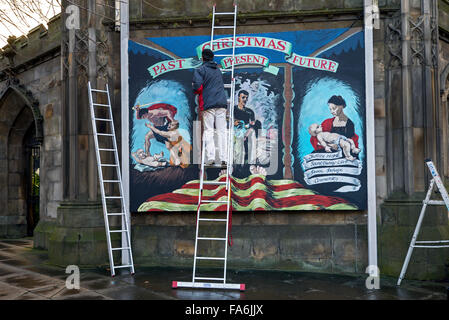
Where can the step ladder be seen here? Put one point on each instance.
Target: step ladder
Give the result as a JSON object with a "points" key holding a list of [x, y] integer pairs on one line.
{"points": [[103, 141], [201, 222], [436, 180]]}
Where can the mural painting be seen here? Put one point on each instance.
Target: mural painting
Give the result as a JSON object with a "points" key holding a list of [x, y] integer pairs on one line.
{"points": [[299, 130]]}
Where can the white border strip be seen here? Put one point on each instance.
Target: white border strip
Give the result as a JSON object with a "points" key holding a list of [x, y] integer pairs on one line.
{"points": [[370, 125], [124, 36], [370, 140]]}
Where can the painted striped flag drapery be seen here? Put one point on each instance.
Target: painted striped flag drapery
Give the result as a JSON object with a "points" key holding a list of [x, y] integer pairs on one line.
{"points": [[254, 193]]}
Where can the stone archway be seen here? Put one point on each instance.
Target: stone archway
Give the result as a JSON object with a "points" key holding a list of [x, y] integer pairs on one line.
{"points": [[19, 113]]}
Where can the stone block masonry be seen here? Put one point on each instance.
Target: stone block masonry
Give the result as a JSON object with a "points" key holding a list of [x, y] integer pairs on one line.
{"points": [[289, 241]]}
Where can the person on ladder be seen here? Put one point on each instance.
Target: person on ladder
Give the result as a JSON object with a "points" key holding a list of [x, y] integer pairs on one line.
{"points": [[208, 82]]}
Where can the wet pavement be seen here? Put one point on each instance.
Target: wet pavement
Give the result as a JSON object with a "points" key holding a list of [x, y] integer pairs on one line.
{"points": [[26, 275]]}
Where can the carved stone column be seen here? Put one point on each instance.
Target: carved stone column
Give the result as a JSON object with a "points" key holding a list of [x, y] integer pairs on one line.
{"points": [[411, 40], [412, 136], [79, 237]]}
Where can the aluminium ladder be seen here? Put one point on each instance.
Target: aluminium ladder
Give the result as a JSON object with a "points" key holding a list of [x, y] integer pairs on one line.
{"points": [[434, 244], [124, 231], [216, 282]]}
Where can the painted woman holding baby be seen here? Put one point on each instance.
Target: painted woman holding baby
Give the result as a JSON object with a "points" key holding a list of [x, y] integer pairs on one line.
{"points": [[339, 124]]}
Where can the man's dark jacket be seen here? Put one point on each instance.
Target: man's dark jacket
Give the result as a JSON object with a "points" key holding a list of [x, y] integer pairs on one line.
{"points": [[209, 76]]}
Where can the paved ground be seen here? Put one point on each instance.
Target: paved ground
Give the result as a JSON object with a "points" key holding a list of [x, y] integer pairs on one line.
{"points": [[25, 275]]}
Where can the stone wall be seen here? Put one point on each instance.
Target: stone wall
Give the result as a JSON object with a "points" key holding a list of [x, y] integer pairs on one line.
{"points": [[30, 77], [416, 129], [160, 9], [320, 242]]}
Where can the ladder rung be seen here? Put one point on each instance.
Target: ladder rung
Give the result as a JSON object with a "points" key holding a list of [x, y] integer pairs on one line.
{"points": [[208, 238], [432, 247], [103, 149], [111, 180], [206, 278], [214, 182], [113, 197], [215, 166], [97, 90], [115, 214], [433, 241], [223, 40], [123, 266], [102, 119], [210, 258], [109, 165], [105, 134], [211, 219], [228, 85], [223, 27], [214, 201], [124, 248], [224, 13], [100, 104], [111, 231]]}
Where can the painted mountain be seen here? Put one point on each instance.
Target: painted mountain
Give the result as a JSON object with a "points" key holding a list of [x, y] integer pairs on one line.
{"points": [[253, 193]]}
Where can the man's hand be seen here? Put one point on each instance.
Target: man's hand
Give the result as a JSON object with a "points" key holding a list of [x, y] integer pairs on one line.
{"points": [[149, 125]]}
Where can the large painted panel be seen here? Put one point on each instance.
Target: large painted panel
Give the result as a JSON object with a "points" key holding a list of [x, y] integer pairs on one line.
{"points": [[299, 139]]}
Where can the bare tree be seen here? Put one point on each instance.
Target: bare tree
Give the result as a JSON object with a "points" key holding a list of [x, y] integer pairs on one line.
{"points": [[19, 16]]}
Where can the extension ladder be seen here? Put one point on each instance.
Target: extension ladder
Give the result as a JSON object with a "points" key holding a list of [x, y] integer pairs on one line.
{"points": [[216, 282], [436, 180], [106, 137]]}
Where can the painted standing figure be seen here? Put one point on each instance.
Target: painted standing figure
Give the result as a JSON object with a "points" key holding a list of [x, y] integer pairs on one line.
{"points": [[244, 119]]}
